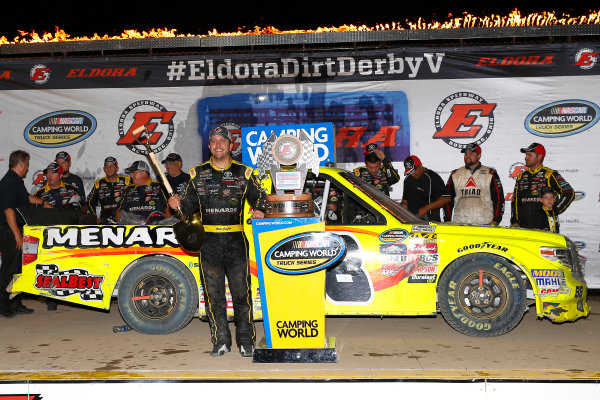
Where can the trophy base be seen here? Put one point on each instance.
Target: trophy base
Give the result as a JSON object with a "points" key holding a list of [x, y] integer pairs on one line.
{"points": [[289, 206]]}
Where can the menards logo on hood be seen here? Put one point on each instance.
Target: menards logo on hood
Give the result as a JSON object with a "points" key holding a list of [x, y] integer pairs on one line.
{"points": [[72, 237]]}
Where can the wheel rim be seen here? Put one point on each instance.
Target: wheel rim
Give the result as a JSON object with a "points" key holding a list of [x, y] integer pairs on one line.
{"points": [[483, 295], [154, 297]]}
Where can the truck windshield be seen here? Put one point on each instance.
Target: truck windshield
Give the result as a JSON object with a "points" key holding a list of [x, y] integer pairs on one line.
{"points": [[384, 201]]}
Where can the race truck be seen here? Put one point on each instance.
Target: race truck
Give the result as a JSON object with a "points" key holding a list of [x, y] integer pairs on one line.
{"points": [[482, 279]]}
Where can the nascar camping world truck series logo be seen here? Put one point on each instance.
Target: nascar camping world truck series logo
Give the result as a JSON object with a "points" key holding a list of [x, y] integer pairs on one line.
{"points": [[463, 118]]}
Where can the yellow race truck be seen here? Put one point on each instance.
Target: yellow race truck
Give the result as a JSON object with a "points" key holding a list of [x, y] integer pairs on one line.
{"points": [[481, 279]]}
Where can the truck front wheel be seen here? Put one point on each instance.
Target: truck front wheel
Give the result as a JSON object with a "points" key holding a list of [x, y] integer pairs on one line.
{"points": [[481, 295], [157, 295]]}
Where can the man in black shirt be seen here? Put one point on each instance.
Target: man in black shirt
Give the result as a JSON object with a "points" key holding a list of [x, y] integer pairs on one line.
{"points": [[13, 195], [176, 177], [424, 190]]}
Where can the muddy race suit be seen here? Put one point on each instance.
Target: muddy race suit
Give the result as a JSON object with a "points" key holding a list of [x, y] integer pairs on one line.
{"points": [[108, 196], [526, 203], [476, 196], [219, 195], [386, 176]]}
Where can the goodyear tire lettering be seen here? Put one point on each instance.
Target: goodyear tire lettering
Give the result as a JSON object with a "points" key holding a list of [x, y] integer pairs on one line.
{"points": [[475, 276]]}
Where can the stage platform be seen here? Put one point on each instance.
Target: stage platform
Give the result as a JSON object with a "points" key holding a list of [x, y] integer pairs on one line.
{"points": [[50, 354]]}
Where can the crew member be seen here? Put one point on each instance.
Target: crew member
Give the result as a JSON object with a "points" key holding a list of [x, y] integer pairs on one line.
{"points": [[378, 170], [218, 189], [424, 190], [57, 192], [176, 177], [13, 195], [526, 200], [145, 197], [64, 160], [107, 192], [476, 194]]}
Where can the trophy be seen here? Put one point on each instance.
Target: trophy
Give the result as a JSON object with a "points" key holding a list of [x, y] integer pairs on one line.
{"points": [[288, 159]]}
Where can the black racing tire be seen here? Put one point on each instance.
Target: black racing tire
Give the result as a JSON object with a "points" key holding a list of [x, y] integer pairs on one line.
{"points": [[481, 295], [158, 295]]}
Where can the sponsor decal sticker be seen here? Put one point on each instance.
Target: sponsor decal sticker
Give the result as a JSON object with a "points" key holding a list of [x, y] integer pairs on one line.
{"points": [[157, 119], [423, 248], [397, 248], [562, 118], [60, 128], [423, 228], [68, 282], [83, 237], [305, 253], [463, 118], [483, 245], [393, 235]]}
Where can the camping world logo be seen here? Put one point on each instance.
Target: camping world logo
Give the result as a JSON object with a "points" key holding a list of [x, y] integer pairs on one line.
{"points": [[157, 119], [463, 118]]}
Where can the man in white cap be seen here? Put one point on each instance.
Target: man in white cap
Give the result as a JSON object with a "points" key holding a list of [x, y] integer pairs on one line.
{"points": [[424, 190], [526, 203], [476, 193]]}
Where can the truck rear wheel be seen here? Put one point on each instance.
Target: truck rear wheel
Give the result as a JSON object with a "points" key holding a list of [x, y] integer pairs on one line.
{"points": [[157, 295], [480, 295]]}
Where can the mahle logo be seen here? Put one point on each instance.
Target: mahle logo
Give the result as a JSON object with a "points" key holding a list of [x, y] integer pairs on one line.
{"points": [[463, 118]]}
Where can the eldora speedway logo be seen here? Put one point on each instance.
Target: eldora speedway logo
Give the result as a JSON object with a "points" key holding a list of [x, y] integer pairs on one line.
{"points": [[39, 73], [157, 119], [463, 118], [586, 58]]}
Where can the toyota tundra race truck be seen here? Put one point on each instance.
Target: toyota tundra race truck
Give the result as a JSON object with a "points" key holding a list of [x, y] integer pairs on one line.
{"points": [[482, 279]]}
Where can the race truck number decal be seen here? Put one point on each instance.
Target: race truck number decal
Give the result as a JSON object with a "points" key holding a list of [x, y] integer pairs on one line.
{"points": [[84, 237], [68, 282]]}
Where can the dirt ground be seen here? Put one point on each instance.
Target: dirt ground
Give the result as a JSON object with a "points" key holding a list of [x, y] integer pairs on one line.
{"points": [[78, 343]]}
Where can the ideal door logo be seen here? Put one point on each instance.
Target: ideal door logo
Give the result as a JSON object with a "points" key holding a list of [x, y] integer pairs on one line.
{"points": [[463, 118]]}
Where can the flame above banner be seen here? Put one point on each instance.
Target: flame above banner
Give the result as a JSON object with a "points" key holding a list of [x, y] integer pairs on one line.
{"points": [[467, 20]]}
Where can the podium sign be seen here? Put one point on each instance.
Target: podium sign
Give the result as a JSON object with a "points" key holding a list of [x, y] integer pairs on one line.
{"points": [[292, 255]]}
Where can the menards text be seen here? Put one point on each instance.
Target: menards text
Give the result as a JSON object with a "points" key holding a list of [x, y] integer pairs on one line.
{"points": [[109, 236]]}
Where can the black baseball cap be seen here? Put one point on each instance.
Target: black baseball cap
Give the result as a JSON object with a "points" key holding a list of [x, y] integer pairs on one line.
{"points": [[472, 147], [54, 167], [371, 147], [410, 165], [171, 158], [110, 159], [137, 166], [62, 155], [221, 131]]}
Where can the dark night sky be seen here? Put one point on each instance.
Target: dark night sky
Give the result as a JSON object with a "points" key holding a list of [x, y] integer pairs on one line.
{"points": [[196, 17]]}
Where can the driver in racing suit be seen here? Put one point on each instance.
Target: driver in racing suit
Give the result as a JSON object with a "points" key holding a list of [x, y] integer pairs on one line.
{"points": [[526, 203], [218, 188]]}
